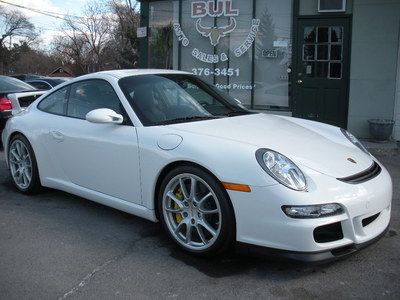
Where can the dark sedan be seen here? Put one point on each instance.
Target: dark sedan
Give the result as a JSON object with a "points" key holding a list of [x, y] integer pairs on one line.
{"points": [[46, 83], [9, 85]]}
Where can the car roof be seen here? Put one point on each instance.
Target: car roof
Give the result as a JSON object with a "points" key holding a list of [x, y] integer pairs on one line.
{"points": [[133, 72]]}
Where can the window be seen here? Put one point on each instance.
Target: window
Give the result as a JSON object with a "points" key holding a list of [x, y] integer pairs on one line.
{"points": [[10, 84], [88, 95], [323, 51], [331, 5], [55, 103], [164, 99], [40, 85]]}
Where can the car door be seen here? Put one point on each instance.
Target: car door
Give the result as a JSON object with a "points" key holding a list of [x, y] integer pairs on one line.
{"points": [[100, 157]]}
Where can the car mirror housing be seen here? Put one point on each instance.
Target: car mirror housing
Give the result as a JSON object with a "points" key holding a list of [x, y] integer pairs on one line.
{"points": [[104, 116]]}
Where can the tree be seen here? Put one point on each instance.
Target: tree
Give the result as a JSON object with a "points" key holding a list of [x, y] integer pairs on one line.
{"points": [[124, 40], [23, 59], [84, 39], [13, 25]]}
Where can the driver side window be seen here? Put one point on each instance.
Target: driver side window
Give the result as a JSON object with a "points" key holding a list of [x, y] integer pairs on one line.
{"points": [[88, 95]]}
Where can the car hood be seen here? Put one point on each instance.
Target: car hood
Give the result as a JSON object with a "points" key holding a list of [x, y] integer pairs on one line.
{"points": [[306, 145]]}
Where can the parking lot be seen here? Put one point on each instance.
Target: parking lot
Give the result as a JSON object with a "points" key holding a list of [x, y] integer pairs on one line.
{"points": [[55, 246]]}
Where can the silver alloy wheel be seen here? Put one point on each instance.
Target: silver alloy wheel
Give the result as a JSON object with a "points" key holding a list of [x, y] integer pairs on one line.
{"points": [[191, 211], [20, 164]]}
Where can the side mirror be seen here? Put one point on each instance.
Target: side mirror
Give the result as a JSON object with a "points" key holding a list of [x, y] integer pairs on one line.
{"points": [[104, 116]]}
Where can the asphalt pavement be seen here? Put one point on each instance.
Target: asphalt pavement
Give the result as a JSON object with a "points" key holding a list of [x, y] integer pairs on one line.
{"points": [[58, 246]]}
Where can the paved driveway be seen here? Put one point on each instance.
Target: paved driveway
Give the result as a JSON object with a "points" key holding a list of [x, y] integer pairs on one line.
{"points": [[55, 245]]}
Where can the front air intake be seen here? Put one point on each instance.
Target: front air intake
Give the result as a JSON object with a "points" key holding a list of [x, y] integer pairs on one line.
{"points": [[363, 176]]}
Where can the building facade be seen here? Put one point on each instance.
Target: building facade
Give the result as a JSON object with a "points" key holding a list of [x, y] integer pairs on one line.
{"points": [[334, 61]]}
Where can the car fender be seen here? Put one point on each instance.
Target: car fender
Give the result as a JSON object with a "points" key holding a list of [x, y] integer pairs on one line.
{"points": [[227, 160]]}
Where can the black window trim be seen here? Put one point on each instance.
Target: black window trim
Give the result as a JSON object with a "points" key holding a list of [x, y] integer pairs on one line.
{"points": [[127, 122]]}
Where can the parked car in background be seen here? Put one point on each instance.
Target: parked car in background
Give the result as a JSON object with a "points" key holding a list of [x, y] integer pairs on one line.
{"points": [[8, 85], [46, 83], [25, 77]]}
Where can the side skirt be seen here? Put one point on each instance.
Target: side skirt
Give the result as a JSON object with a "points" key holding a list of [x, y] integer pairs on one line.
{"points": [[125, 206]]}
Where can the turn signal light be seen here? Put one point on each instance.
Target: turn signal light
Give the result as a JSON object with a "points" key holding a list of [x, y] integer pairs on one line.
{"points": [[5, 104], [236, 187]]}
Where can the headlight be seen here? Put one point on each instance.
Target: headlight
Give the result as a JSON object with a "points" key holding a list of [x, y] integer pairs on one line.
{"points": [[354, 140], [282, 169]]}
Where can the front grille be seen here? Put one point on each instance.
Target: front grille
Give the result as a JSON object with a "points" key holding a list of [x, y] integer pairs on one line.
{"points": [[366, 175], [369, 220], [328, 233], [26, 101]]}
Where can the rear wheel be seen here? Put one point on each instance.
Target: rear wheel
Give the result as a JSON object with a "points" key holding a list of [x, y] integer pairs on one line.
{"points": [[196, 211], [23, 167]]}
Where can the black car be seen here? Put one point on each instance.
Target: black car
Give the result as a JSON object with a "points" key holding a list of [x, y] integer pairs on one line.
{"points": [[46, 83], [9, 85]]}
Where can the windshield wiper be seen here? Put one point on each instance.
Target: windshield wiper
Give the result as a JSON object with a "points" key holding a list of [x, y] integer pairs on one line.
{"points": [[237, 113], [186, 119]]}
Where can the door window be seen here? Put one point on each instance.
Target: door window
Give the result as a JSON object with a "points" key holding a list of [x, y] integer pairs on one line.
{"points": [[86, 96], [323, 51], [55, 103]]}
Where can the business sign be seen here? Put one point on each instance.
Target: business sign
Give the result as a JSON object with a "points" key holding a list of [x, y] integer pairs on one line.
{"points": [[202, 9], [269, 53], [141, 32]]}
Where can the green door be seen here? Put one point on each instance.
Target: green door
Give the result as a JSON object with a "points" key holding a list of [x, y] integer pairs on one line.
{"points": [[321, 76]]}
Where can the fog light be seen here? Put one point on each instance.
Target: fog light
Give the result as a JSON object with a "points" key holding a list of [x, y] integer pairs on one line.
{"points": [[313, 211]]}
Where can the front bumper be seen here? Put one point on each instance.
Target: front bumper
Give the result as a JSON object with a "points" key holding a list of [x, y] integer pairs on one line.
{"points": [[260, 220], [309, 257]]}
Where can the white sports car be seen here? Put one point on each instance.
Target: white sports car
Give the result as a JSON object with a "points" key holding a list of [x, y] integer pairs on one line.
{"points": [[168, 147]]}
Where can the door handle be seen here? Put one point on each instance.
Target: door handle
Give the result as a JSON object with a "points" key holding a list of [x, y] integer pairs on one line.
{"points": [[58, 136], [299, 81]]}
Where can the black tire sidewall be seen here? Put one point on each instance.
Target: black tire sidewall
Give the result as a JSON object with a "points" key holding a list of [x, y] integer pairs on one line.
{"points": [[227, 233], [34, 185]]}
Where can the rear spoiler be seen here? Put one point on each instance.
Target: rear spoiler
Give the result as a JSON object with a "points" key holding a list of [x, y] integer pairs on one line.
{"points": [[14, 98]]}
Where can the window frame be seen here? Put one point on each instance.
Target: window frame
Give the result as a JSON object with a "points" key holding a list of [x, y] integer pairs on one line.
{"points": [[127, 120]]}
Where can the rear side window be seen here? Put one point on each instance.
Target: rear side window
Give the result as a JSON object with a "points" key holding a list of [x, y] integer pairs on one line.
{"points": [[9, 84], [92, 94], [55, 103]]}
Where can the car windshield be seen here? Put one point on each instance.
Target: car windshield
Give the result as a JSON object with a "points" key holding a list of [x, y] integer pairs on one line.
{"points": [[176, 98], [9, 84]]}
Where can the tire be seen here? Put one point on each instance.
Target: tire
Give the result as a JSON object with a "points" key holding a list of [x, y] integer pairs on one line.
{"points": [[23, 166], [201, 223]]}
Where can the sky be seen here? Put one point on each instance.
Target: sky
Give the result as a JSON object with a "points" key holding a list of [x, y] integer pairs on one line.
{"points": [[48, 26]]}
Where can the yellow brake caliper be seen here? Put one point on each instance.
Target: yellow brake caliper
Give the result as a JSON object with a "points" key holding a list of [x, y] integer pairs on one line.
{"points": [[179, 195]]}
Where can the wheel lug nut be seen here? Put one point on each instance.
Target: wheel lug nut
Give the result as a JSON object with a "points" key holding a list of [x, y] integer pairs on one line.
{"points": [[192, 221], [185, 214]]}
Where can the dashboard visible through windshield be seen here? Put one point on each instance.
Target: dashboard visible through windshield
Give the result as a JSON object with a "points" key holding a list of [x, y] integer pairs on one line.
{"points": [[175, 98]]}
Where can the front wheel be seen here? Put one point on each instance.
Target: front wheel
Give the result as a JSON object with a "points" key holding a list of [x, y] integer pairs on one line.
{"points": [[196, 212]]}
